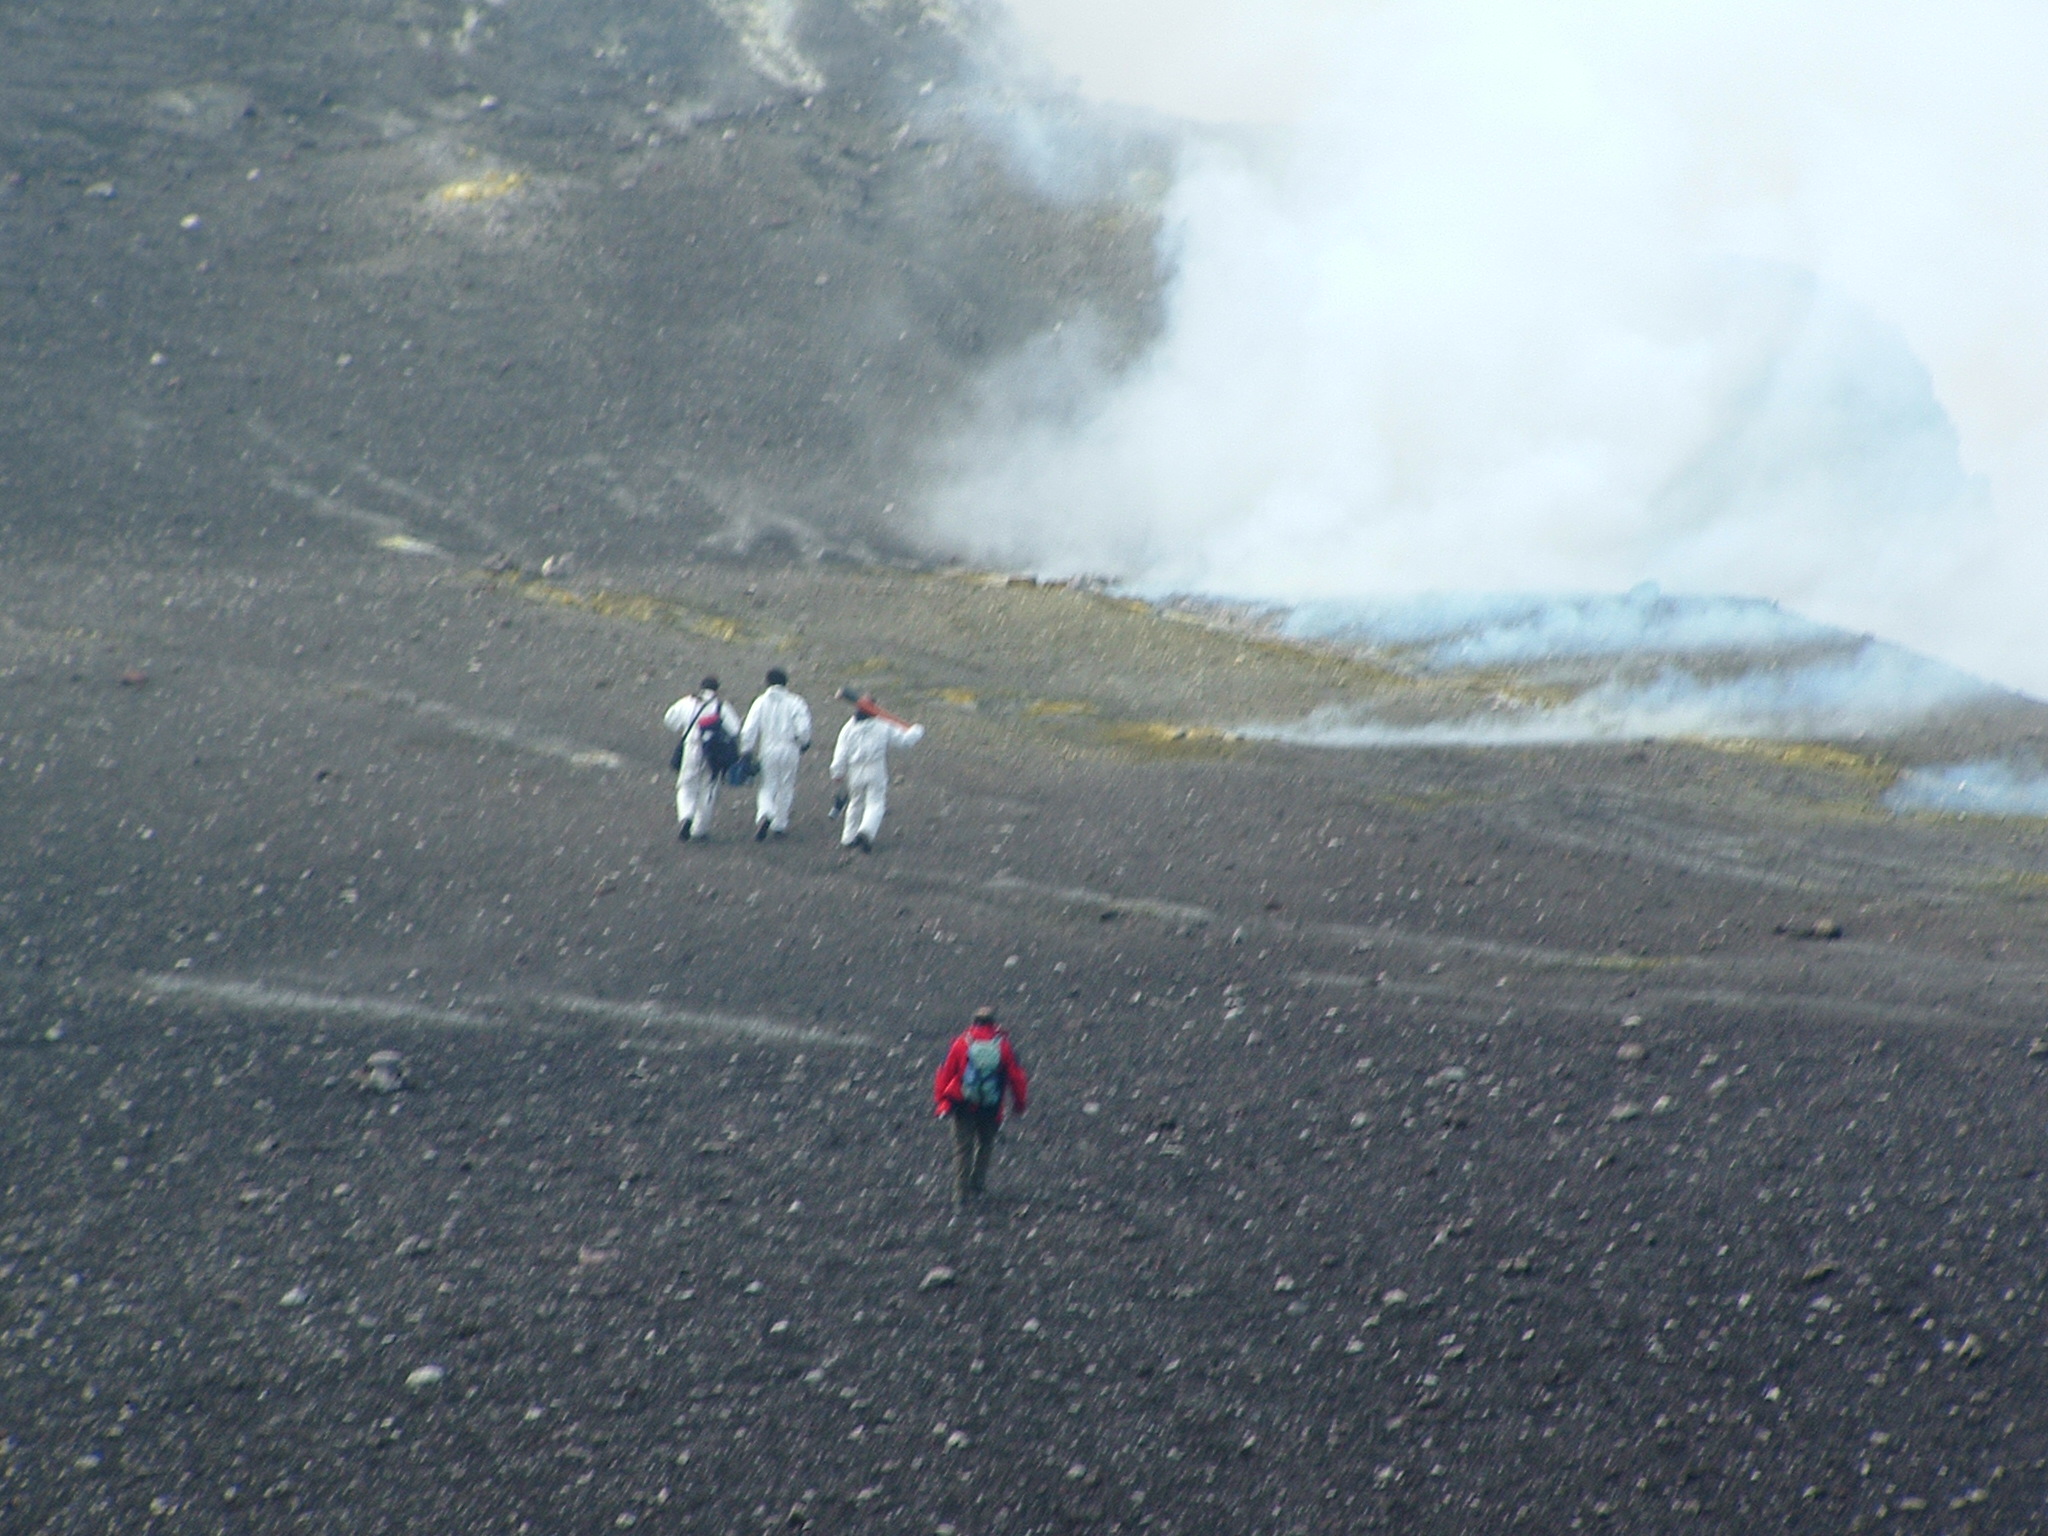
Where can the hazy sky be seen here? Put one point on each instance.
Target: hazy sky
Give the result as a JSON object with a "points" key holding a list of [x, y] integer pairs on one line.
{"points": [[1221, 60]]}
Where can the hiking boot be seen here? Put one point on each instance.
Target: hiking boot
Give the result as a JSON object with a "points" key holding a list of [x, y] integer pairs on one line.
{"points": [[761, 831], [683, 833], [864, 843]]}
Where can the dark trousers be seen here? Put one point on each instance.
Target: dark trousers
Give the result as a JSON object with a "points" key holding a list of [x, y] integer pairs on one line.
{"points": [[974, 1148]]}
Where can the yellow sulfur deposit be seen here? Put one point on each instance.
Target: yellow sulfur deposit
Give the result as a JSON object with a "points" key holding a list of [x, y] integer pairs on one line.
{"points": [[482, 189]]}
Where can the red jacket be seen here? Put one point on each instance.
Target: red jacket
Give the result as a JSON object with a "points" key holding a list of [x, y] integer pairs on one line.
{"points": [[946, 1086]]}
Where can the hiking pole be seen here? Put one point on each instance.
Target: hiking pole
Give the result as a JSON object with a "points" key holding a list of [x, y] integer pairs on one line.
{"points": [[854, 696]]}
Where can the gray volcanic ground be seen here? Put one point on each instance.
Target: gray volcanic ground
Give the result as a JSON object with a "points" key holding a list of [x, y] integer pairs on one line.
{"points": [[554, 272], [1630, 1138]]}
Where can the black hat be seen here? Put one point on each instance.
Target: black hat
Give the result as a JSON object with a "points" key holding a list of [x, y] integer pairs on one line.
{"points": [[709, 685], [777, 677]]}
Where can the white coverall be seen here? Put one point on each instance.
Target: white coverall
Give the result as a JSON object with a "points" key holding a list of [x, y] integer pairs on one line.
{"points": [[861, 759], [696, 784], [777, 731]]}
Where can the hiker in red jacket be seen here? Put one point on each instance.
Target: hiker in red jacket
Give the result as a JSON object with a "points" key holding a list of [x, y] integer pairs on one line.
{"points": [[977, 1071]]}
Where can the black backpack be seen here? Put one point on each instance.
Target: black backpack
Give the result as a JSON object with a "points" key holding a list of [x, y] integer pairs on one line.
{"points": [[720, 751]]}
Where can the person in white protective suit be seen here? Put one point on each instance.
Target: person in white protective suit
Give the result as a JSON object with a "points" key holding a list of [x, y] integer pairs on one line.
{"points": [[860, 770], [697, 718], [776, 735]]}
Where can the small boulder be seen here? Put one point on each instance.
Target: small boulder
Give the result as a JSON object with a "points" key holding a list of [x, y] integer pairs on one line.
{"points": [[1816, 928], [384, 1072]]}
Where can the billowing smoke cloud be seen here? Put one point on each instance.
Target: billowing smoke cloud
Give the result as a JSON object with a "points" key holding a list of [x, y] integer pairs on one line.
{"points": [[1740, 298]]}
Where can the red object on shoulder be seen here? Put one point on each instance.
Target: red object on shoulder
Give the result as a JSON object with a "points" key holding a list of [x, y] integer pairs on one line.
{"points": [[946, 1085]]}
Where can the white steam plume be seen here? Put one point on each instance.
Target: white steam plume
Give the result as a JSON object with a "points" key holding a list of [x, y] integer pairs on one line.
{"points": [[1984, 788], [1737, 297], [1873, 689]]}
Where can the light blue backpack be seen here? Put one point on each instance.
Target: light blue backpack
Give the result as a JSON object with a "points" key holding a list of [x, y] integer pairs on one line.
{"points": [[981, 1081]]}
